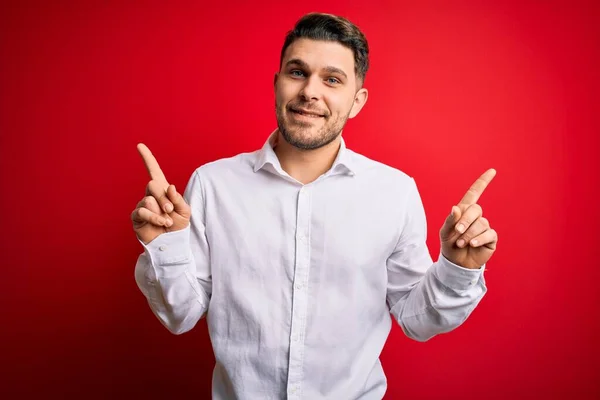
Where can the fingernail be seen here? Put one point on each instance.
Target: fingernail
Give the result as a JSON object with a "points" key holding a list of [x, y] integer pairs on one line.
{"points": [[460, 243], [168, 207], [474, 242], [169, 222], [460, 228]]}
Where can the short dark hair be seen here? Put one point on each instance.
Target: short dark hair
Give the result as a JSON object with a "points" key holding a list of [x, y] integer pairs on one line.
{"points": [[329, 27]]}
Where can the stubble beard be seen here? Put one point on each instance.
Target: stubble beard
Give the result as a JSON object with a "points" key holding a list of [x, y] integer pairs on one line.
{"points": [[297, 133]]}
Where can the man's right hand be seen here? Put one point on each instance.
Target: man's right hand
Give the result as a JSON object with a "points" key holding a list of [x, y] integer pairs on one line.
{"points": [[163, 209]]}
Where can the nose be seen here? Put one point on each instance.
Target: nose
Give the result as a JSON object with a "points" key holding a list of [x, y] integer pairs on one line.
{"points": [[311, 89]]}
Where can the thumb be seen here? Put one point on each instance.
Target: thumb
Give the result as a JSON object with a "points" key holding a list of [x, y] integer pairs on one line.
{"points": [[448, 228], [179, 204]]}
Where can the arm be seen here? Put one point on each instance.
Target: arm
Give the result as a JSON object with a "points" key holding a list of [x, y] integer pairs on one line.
{"points": [[173, 272], [428, 298]]}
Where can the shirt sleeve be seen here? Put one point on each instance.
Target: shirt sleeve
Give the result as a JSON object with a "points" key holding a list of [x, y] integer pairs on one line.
{"points": [[424, 297], [174, 273]]}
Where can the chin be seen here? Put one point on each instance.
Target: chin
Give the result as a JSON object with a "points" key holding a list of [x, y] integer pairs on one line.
{"points": [[306, 138]]}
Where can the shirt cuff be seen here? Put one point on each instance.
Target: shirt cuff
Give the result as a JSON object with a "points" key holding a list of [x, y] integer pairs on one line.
{"points": [[456, 277], [170, 248]]}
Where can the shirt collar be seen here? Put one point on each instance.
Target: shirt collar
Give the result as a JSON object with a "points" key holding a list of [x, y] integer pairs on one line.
{"points": [[266, 155]]}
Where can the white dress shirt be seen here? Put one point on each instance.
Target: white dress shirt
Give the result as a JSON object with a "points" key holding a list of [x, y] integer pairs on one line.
{"points": [[299, 282]]}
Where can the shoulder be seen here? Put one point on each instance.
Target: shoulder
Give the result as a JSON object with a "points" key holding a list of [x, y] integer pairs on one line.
{"points": [[376, 170], [229, 166], [229, 173]]}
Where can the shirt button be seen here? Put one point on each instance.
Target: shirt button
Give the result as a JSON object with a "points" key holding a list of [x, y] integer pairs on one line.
{"points": [[298, 286], [162, 248]]}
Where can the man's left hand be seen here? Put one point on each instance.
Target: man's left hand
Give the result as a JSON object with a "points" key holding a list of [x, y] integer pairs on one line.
{"points": [[467, 239]]}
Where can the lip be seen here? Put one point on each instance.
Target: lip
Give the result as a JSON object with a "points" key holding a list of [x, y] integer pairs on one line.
{"points": [[299, 112]]}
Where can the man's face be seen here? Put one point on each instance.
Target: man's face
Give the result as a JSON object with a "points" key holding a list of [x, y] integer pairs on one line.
{"points": [[316, 92]]}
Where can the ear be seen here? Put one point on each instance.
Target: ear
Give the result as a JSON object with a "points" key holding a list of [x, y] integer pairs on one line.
{"points": [[275, 79], [360, 98]]}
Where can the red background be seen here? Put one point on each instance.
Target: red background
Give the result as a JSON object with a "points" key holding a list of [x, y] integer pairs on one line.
{"points": [[454, 89]]}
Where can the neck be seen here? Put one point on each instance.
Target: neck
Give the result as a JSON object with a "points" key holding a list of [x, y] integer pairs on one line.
{"points": [[306, 165]]}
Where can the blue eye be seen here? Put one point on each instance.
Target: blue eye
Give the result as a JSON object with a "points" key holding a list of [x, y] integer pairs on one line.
{"points": [[296, 73], [333, 80]]}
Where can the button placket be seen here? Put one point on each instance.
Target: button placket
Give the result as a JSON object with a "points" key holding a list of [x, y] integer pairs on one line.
{"points": [[300, 297]]}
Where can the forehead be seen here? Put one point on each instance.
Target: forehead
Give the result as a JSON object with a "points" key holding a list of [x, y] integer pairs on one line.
{"points": [[321, 54]]}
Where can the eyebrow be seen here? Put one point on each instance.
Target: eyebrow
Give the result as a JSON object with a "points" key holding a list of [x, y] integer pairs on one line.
{"points": [[302, 64]]}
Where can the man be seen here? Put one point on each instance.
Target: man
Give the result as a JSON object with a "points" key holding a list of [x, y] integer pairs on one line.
{"points": [[298, 253]]}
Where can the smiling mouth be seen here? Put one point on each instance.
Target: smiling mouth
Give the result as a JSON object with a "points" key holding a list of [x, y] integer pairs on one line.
{"points": [[306, 114]]}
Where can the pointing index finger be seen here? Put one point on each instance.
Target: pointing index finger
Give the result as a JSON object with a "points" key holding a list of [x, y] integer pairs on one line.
{"points": [[477, 188], [151, 164]]}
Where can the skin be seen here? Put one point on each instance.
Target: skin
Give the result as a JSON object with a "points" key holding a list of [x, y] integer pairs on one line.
{"points": [[163, 209], [466, 236], [318, 78]]}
